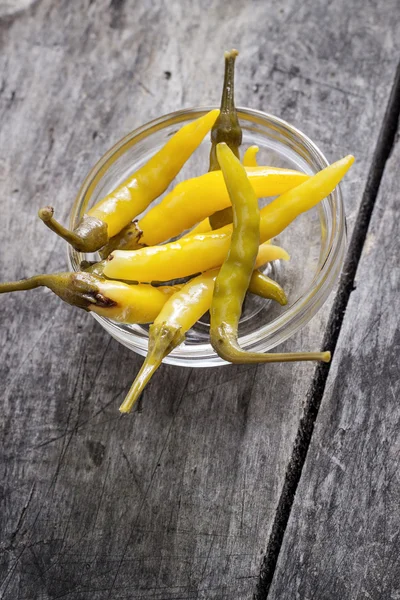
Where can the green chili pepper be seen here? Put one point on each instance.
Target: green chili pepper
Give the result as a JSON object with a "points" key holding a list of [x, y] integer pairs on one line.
{"points": [[234, 276], [263, 286], [127, 239], [90, 234], [226, 129], [178, 315]]}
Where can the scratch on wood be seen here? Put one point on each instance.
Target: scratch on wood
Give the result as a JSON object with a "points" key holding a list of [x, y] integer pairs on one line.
{"points": [[296, 73], [146, 89], [24, 509], [130, 469]]}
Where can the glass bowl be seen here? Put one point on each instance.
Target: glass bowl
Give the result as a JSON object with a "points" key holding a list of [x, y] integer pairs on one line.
{"points": [[315, 240]]}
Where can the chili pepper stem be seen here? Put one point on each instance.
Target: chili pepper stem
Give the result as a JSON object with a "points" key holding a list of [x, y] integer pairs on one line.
{"points": [[89, 236], [226, 129], [127, 239], [228, 349], [96, 268], [228, 97], [25, 284], [163, 339], [78, 289]]}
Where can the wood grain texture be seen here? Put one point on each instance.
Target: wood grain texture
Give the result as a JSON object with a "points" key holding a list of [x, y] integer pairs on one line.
{"points": [[177, 501], [343, 535]]}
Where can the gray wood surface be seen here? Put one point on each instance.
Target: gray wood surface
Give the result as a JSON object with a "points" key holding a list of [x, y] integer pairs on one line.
{"points": [[345, 519], [177, 501]]}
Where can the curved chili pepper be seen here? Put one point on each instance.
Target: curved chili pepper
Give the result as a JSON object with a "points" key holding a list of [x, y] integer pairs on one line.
{"points": [[234, 276], [193, 200], [178, 315], [265, 287], [249, 157], [113, 299], [117, 209], [168, 331], [194, 254], [226, 129], [198, 253], [267, 252]]}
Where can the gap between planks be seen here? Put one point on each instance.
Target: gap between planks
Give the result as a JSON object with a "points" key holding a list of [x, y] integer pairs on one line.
{"points": [[384, 146]]}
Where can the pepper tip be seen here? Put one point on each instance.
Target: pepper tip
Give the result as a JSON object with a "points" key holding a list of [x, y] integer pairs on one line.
{"points": [[222, 147], [283, 299]]}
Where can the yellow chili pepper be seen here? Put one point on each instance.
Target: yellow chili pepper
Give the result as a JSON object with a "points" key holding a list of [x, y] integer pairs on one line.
{"points": [[275, 217], [118, 301], [133, 303], [202, 227], [178, 315], [250, 157], [192, 200], [260, 284], [198, 253], [234, 277], [193, 254], [268, 252], [118, 208], [169, 328]]}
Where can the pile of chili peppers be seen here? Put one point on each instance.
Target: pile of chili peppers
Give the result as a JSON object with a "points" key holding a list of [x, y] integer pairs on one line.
{"points": [[229, 239]]}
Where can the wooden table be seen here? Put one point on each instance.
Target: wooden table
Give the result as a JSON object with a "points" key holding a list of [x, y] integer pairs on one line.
{"points": [[276, 481]]}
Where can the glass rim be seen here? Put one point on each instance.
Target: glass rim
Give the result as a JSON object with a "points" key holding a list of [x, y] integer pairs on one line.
{"points": [[299, 313]]}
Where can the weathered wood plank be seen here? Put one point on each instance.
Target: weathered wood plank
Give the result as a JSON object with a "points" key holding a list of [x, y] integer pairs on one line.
{"points": [[343, 535], [177, 501]]}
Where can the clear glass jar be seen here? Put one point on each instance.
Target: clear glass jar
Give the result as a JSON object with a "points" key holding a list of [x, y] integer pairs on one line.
{"points": [[316, 240]]}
